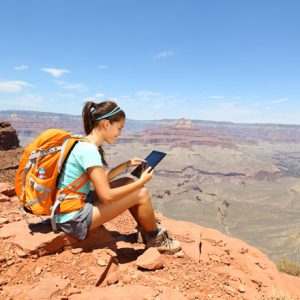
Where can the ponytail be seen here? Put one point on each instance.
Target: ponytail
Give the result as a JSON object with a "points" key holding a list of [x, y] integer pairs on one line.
{"points": [[88, 109]]}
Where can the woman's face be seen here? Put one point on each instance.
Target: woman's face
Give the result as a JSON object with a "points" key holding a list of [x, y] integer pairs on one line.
{"points": [[114, 130]]}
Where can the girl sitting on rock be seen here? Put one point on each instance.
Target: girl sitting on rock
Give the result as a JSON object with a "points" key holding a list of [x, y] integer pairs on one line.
{"points": [[103, 122]]}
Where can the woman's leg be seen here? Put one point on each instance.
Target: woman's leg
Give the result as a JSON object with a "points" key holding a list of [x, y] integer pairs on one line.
{"points": [[120, 182], [141, 202]]}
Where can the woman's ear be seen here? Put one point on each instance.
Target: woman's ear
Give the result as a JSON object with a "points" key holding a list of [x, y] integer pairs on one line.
{"points": [[106, 123]]}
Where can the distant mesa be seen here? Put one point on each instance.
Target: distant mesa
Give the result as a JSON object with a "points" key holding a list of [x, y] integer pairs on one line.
{"points": [[183, 123], [181, 133]]}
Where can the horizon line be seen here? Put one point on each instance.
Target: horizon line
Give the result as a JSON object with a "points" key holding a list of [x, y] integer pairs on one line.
{"points": [[163, 119]]}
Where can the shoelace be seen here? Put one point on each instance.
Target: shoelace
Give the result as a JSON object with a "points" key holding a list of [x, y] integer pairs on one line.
{"points": [[167, 241]]}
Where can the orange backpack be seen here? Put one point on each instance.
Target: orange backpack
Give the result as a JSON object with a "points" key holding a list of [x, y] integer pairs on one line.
{"points": [[40, 196]]}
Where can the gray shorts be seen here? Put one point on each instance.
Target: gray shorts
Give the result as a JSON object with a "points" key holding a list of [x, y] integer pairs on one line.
{"points": [[79, 225]]}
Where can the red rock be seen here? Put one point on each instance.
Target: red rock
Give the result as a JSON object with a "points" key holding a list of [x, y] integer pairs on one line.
{"points": [[179, 254], [73, 291], [48, 288], [261, 265], [76, 250], [112, 278], [8, 136], [20, 253], [243, 251], [168, 293], [179, 275], [10, 262], [7, 189], [3, 221], [151, 259], [38, 271], [4, 198], [126, 279], [229, 290], [132, 292], [3, 282], [44, 241], [101, 262]]}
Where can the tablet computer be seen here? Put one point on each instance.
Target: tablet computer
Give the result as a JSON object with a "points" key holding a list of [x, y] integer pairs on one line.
{"points": [[150, 161]]}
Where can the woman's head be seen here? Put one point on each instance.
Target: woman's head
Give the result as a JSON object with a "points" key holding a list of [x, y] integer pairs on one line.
{"points": [[93, 113]]}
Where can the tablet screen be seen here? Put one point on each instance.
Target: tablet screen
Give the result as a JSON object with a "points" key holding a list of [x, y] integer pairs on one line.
{"points": [[152, 160]]}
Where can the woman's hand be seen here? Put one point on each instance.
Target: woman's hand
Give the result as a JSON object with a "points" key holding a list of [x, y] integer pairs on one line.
{"points": [[146, 175], [134, 162]]}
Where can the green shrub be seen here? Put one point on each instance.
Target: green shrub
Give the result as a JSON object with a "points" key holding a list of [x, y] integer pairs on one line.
{"points": [[288, 267]]}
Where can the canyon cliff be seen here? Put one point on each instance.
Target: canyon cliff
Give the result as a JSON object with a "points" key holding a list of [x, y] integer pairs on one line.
{"points": [[35, 262]]}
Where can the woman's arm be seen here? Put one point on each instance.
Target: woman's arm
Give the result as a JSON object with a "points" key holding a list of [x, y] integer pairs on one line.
{"points": [[111, 174], [107, 194]]}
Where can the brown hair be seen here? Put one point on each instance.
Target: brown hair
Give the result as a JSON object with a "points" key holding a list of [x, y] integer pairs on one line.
{"points": [[91, 111]]}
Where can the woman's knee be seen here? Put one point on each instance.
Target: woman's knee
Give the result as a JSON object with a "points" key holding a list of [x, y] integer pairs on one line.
{"points": [[144, 195]]}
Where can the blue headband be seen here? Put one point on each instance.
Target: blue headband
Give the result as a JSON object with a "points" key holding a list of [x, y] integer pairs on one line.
{"points": [[113, 112]]}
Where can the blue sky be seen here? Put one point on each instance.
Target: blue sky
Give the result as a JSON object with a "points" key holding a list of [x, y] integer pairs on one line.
{"points": [[217, 60]]}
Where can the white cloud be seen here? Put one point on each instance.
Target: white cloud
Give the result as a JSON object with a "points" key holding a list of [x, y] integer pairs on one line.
{"points": [[99, 95], [149, 105], [268, 104], [21, 68], [72, 86], [277, 101], [216, 97], [102, 67], [55, 72], [60, 82], [147, 94], [29, 100], [158, 105], [163, 54], [13, 86], [75, 86], [64, 95]]}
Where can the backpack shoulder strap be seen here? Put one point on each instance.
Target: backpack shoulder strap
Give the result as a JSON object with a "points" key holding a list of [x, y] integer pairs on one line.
{"points": [[72, 188]]}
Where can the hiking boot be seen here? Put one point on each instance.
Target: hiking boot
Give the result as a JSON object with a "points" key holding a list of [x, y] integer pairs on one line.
{"points": [[163, 243], [141, 234]]}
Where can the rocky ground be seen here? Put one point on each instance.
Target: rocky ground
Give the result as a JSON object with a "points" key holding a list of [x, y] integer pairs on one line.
{"points": [[111, 265]]}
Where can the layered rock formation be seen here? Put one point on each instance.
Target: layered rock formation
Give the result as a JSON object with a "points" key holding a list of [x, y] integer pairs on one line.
{"points": [[29, 123], [10, 151], [180, 133], [8, 136]]}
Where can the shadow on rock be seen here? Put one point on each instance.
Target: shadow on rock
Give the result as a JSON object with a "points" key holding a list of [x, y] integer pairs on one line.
{"points": [[41, 227]]}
